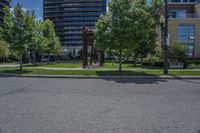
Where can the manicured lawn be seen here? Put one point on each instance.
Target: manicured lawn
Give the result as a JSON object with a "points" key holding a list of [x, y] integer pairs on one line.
{"points": [[116, 66], [61, 65], [100, 72]]}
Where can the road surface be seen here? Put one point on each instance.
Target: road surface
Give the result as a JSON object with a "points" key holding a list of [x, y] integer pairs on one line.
{"points": [[42, 105]]}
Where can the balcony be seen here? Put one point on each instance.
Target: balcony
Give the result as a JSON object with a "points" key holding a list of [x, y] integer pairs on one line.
{"points": [[182, 1]]}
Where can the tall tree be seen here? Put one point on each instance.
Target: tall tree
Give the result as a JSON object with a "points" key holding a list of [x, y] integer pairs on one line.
{"points": [[21, 36], [6, 29], [124, 28], [18, 30], [4, 50], [38, 41], [35, 41], [111, 29], [53, 45], [147, 43]]}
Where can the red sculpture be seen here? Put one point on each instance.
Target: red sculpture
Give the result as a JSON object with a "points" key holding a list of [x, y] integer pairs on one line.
{"points": [[88, 40]]}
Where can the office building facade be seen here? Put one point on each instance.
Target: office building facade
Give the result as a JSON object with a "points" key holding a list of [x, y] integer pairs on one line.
{"points": [[3, 3], [184, 24], [69, 17]]}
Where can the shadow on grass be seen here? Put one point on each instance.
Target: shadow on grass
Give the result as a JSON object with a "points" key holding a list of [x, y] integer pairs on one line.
{"points": [[142, 77], [134, 66], [33, 65]]}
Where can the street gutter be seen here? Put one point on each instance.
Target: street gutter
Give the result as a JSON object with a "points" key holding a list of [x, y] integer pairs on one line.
{"points": [[98, 77]]}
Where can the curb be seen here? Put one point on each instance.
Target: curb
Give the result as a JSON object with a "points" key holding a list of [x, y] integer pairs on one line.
{"points": [[99, 77]]}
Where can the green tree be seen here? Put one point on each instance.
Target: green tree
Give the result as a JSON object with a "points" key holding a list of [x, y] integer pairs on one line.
{"points": [[4, 50], [178, 52], [111, 29], [6, 29], [39, 43], [35, 41], [21, 34], [126, 27], [15, 30], [53, 46], [147, 43]]}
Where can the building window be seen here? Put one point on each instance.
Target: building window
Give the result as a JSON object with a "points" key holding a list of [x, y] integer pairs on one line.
{"points": [[186, 36], [179, 14]]}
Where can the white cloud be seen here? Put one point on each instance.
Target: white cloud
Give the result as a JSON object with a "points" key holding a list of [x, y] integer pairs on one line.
{"points": [[24, 9]]}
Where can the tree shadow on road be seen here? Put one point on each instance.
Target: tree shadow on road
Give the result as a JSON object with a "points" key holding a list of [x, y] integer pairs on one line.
{"points": [[139, 80], [140, 77], [185, 80], [8, 73]]}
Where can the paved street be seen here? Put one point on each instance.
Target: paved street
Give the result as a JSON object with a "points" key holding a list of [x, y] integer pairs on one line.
{"points": [[37, 105]]}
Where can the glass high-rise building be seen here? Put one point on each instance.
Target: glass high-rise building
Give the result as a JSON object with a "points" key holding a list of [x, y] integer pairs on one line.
{"points": [[3, 3], [69, 17]]}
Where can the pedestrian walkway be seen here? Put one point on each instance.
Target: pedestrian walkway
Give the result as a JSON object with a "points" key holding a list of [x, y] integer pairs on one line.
{"points": [[9, 65]]}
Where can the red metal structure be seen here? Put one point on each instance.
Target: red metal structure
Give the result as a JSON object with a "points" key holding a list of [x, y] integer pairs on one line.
{"points": [[88, 40]]}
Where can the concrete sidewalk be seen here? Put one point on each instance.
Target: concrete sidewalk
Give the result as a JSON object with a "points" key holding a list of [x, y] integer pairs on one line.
{"points": [[98, 69], [9, 65]]}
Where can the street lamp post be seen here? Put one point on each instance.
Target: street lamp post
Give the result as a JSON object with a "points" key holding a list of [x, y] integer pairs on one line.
{"points": [[166, 37], [162, 27]]}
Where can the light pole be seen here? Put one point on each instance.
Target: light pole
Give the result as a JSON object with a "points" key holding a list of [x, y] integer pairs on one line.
{"points": [[162, 26], [166, 37]]}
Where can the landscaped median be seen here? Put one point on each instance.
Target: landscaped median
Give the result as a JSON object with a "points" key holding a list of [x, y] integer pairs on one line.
{"points": [[136, 72]]}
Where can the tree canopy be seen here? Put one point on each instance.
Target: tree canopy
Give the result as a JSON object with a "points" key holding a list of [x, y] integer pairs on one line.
{"points": [[129, 26], [26, 35]]}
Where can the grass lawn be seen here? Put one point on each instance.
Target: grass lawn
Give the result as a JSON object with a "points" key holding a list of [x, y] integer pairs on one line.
{"points": [[62, 65], [99, 73], [116, 66]]}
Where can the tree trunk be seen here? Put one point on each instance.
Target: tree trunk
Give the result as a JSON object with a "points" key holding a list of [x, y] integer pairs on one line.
{"points": [[102, 58], [29, 56], [21, 61], [5, 59], [135, 60], [34, 58], [141, 59], [48, 58], [112, 61], [120, 60], [91, 56]]}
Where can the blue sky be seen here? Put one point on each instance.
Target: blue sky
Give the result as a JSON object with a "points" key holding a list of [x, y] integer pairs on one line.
{"points": [[31, 4]]}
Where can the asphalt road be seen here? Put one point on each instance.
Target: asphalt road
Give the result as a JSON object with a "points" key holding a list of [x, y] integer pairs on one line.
{"points": [[37, 105]]}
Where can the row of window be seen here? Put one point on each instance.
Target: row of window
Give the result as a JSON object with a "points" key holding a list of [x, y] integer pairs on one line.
{"points": [[76, 27], [76, 19], [77, 23], [75, 9], [73, 13], [74, 4]]}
